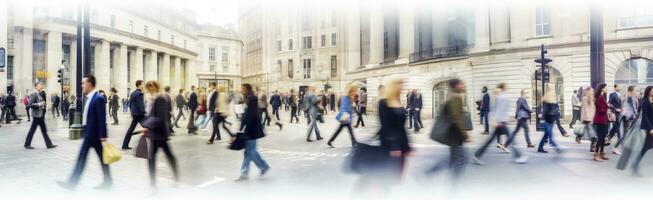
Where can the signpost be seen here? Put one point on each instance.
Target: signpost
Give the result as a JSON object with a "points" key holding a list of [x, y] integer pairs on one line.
{"points": [[542, 74]]}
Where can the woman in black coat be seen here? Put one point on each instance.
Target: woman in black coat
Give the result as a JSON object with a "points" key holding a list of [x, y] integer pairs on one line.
{"points": [[646, 126], [251, 125], [157, 128]]}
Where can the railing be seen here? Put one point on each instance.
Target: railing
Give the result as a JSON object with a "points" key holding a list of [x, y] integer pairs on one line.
{"points": [[437, 53]]}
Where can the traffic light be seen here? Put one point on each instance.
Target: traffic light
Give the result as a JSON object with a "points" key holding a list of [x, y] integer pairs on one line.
{"points": [[60, 76]]}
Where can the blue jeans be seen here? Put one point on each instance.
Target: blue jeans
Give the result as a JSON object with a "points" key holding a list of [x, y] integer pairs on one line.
{"points": [[251, 155], [484, 120], [548, 135]]}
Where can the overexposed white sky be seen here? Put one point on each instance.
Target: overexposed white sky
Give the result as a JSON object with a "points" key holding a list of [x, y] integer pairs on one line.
{"points": [[215, 12]]}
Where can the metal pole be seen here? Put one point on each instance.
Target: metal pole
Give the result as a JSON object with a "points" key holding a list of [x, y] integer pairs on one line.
{"points": [[597, 55], [542, 66], [78, 71]]}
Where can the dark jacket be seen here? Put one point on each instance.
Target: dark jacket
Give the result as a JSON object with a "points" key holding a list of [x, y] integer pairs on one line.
{"points": [[10, 101], [180, 100], [647, 116], [136, 103], [392, 134], [56, 100], [96, 119], [114, 102], [601, 116], [251, 119], [275, 100], [415, 101], [549, 111], [485, 104], [522, 111], [192, 101], [158, 121], [454, 110], [211, 103], [615, 101]]}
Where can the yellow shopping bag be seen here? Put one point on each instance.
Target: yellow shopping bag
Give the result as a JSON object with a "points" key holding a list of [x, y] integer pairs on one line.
{"points": [[110, 154]]}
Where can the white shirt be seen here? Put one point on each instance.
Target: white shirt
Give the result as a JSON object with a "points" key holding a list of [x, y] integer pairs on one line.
{"points": [[89, 97]]}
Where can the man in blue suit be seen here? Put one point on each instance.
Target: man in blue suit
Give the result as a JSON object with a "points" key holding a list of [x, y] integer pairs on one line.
{"points": [[94, 120], [485, 110], [615, 101], [137, 107], [275, 102]]}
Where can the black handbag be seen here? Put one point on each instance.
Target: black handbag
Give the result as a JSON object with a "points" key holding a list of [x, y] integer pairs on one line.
{"points": [[239, 143], [366, 158]]}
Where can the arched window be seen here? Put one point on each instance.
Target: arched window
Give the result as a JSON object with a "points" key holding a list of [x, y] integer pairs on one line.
{"points": [[635, 71]]}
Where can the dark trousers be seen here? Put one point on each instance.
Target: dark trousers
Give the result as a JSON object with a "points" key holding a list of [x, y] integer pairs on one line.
{"points": [[562, 130], [40, 122], [457, 161], [81, 161], [502, 130], [128, 136], [351, 133], [114, 115], [616, 127], [27, 111], [11, 114], [313, 126], [275, 111], [360, 114], [266, 116], [575, 117], [191, 122], [293, 114], [521, 123], [180, 114], [64, 113], [55, 108], [601, 133], [156, 144], [485, 121], [416, 121], [217, 119]]}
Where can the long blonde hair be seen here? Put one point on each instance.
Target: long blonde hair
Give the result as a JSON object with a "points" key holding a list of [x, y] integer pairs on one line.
{"points": [[392, 92], [152, 89]]}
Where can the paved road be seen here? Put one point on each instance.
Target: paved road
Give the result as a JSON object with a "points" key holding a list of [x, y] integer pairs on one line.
{"points": [[301, 170]]}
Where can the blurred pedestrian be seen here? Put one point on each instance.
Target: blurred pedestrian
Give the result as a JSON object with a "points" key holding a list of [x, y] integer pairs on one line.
{"points": [[37, 104], [56, 100], [615, 105], [25, 102], [95, 134], [65, 106], [114, 101], [485, 110], [313, 110], [192, 109], [646, 126], [576, 105], [251, 124], [523, 116], [137, 108], [220, 114], [275, 102], [168, 108], [10, 108], [549, 114], [630, 108], [453, 109], [293, 102], [345, 116], [202, 111], [181, 103], [156, 127], [588, 110], [361, 109], [601, 122]]}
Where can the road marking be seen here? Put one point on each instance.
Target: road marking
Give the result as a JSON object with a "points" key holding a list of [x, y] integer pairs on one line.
{"points": [[211, 182]]}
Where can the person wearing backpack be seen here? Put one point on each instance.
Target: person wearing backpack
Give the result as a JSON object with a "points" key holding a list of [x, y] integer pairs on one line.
{"points": [[456, 135]]}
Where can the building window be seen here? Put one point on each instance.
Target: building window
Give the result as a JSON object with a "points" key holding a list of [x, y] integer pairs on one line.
{"points": [[290, 68], [323, 40], [39, 60], [131, 26], [333, 39], [225, 55], [145, 31], [542, 25], [307, 68], [212, 68], [279, 66], [225, 67], [211, 54], [334, 66], [113, 21], [279, 47], [158, 35], [635, 71], [308, 42], [290, 44], [10, 68], [635, 17]]}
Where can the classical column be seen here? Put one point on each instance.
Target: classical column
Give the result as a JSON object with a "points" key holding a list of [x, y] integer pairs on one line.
{"points": [[353, 37], [25, 75], [151, 66], [120, 70], [164, 75], [376, 34], [102, 69], [191, 73], [176, 76], [406, 32], [54, 57], [136, 66], [72, 70]]}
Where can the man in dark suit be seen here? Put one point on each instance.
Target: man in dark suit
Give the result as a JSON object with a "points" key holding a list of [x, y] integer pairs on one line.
{"points": [[192, 106], [10, 108], [137, 107], [114, 103], [45, 99], [181, 103], [616, 103], [37, 105], [485, 110], [56, 100], [275, 102], [94, 121], [415, 102]]}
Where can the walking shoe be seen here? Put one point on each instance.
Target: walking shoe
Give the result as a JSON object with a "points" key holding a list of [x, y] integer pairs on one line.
{"points": [[309, 140], [565, 134], [504, 149], [542, 151], [320, 138], [264, 172], [104, 185], [530, 146], [331, 145], [602, 155], [29, 147], [52, 146], [578, 140], [616, 151], [241, 178], [67, 185], [477, 161], [521, 160], [597, 157]]}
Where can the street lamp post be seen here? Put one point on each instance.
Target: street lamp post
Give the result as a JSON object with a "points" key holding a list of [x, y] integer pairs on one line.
{"points": [[83, 58]]}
